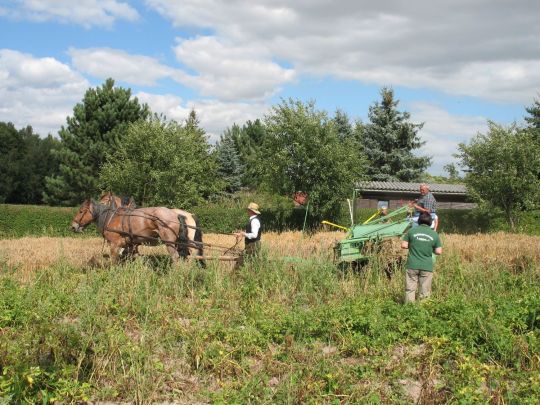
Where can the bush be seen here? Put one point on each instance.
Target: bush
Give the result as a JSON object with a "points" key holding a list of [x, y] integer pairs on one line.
{"points": [[25, 220], [277, 215]]}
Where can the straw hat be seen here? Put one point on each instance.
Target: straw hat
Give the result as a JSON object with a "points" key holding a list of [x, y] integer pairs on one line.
{"points": [[254, 207]]}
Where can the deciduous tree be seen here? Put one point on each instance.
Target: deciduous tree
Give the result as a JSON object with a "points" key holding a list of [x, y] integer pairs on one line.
{"points": [[163, 163], [303, 152], [503, 167]]}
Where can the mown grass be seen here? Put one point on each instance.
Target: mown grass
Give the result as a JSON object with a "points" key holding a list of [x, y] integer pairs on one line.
{"points": [[275, 331]]}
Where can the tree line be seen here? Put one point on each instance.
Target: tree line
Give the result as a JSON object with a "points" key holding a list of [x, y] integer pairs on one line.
{"points": [[113, 142]]}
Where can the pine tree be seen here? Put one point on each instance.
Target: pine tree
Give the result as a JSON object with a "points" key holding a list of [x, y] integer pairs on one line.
{"points": [[389, 140], [343, 125], [95, 129], [534, 111], [248, 141], [228, 158]]}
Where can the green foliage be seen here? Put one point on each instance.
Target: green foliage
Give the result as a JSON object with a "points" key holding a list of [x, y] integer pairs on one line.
{"points": [[534, 115], [248, 141], [503, 167], [30, 220], [453, 176], [163, 163], [303, 152], [343, 125], [275, 333], [96, 129], [228, 158], [26, 161], [278, 214], [389, 141]]}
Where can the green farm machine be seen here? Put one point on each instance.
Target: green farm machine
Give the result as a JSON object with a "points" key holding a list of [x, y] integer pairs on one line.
{"points": [[364, 241]]}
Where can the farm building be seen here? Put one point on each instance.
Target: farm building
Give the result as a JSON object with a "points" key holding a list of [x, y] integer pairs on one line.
{"points": [[393, 194]]}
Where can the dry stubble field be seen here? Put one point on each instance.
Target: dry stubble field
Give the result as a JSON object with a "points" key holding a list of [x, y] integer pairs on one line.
{"points": [[30, 254]]}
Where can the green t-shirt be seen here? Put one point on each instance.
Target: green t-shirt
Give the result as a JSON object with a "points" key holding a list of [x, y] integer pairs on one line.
{"points": [[422, 242]]}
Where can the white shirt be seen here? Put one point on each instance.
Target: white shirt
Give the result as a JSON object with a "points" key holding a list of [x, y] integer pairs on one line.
{"points": [[255, 225]]}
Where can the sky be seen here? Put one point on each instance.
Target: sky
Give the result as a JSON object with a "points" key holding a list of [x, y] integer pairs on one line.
{"points": [[453, 64]]}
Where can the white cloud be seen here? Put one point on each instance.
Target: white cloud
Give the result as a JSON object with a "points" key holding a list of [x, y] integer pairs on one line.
{"points": [[40, 92], [482, 49], [443, 132], [230, 72], [214, 116], [84, 12], [105, 62], [224, 72]]}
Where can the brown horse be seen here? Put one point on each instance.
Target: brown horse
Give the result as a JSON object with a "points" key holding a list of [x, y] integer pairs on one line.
{"points": [[115, 201], [123, 227], [190, 234]]}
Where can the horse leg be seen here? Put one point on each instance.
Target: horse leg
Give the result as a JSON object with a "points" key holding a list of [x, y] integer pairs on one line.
{"points": [[197, 239], [171, 248], [130, 251], [115, 253], [116, 244]]}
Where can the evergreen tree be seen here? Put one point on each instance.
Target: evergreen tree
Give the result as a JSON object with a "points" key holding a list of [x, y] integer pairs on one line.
{"points": [[228, 158], [248, 141], [343, 125], [534, 115], [534, 122], [26, 161], [12, 152], [389, 140], [96, 128]]}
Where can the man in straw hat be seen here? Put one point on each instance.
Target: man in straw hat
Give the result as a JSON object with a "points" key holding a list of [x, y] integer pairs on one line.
{"points": [[252, 234]]}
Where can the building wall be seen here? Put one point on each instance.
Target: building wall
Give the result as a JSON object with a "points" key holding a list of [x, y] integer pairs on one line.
{"points": [[396, 200]]}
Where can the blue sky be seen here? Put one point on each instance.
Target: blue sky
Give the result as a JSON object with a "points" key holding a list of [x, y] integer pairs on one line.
{"points": [[453, 65]]}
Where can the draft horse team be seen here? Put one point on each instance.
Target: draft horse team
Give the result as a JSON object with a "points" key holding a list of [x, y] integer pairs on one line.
{"points": [[126, 227]]}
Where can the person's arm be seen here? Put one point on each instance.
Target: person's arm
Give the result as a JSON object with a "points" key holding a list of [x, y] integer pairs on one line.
{"points": [[405, 241], [438, 246], [255, 225], [420, 208]]}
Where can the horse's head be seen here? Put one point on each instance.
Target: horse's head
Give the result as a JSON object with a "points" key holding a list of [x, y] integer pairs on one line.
{"points": [[83, 217], [109, 199], [115, 201]]}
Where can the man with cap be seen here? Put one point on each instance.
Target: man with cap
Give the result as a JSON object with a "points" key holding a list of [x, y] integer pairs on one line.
{"points": [[252, 234]]}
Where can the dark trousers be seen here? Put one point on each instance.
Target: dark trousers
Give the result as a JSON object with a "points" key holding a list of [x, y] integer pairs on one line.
{"points": [[251, 252]]}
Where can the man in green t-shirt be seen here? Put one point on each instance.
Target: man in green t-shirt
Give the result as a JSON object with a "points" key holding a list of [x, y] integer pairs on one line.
{"points": [[422, 242]]}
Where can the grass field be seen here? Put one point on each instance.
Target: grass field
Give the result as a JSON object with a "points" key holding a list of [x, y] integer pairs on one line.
{"points": [[73, 328]]}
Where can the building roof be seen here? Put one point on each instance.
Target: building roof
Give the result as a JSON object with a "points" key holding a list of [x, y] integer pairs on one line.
{"points": [[398, 186]]}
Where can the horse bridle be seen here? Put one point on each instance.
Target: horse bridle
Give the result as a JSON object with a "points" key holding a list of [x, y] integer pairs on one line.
{"points": [[86, 209]]}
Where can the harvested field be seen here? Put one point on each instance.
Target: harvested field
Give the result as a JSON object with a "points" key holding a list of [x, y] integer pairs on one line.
{"points": [[75, 329]]}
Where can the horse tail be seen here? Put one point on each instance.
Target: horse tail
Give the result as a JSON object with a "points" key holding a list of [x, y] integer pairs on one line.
{"points": [[183, 239], [198, 241]]}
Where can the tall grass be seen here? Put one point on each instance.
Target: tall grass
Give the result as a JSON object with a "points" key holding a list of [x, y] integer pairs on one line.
{"points": [[280, 330]]}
